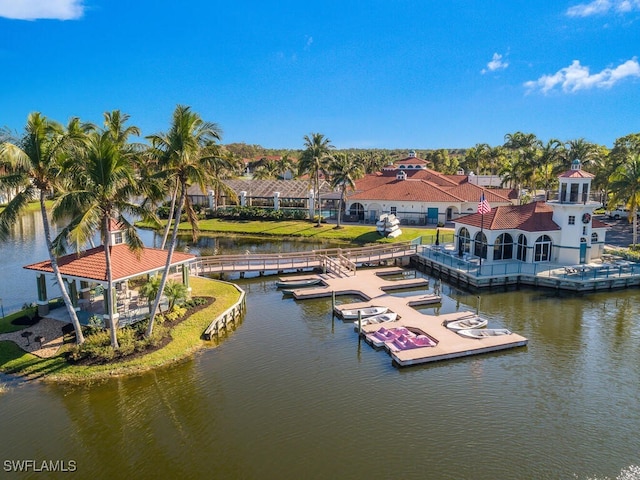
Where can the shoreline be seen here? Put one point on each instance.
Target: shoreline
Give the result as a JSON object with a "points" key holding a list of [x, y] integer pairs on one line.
{"points": [[186, 340]]}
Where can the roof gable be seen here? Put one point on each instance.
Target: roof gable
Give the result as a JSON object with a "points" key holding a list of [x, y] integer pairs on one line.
{"points": [[125, 263], [532, 217]]}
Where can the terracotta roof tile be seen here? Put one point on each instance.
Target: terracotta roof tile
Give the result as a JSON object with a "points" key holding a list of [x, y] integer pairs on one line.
{"points": [[125, 263], [407, 190], [532, 217]]}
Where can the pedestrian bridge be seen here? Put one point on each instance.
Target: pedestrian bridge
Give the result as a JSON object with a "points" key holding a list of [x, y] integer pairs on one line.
{"points": [[339, 261]]}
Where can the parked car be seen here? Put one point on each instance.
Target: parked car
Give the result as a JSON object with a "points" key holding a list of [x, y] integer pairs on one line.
{"points": [[619, 213]]}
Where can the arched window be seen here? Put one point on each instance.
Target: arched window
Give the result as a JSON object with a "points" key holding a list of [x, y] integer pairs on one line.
{"points": [[464, 241], [503, 247], [522, 248], [480, 245], [542, 249], [357, 209]]}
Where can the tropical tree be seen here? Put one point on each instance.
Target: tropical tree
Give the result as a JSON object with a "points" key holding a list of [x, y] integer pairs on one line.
{"points": [[580, 149], [175, 292], [269, 169], [101, 192], [550, 161], [188, 154], [345, 170], [34, 170], [625, 189], [478, 157], [524, 147], [314, 161]]}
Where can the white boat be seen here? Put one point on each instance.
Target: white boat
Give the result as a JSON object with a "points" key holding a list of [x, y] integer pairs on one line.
{"points": [[307, 282], [388, 225], [363, 312], [467, 323], [381, 318], [483, 332]]}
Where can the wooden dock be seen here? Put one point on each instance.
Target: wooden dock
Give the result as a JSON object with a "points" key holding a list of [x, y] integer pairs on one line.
{"points": [[371, 285]]}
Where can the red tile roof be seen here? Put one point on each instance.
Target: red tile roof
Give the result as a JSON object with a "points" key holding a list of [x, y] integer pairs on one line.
{"points": [[576, 174], [125, 263], [407, 190], [532, 217]]}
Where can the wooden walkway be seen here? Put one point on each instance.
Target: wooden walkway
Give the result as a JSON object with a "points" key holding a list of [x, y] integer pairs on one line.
{"points": [[372, 286], [340, 261]]}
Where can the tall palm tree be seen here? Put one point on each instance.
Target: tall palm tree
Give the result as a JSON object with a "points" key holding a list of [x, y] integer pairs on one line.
{"points": [[188, 154], [345, 170], [525, 147], [580, 149], [314, 161], [34, 163], [101, 192], [478, 156], [625, 188], [550, 161]]}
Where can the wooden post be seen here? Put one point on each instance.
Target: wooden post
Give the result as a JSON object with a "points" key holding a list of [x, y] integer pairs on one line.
{"points": [[359, 322], [333, 300]]}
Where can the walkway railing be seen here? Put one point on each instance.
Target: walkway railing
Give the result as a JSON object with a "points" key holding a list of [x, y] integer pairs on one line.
{"points": [[470, 265], [343, 258]]}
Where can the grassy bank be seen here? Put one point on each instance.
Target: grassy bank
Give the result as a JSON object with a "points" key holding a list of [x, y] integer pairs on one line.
{"points": [[33, 206], [358, 234], [185, 340]]}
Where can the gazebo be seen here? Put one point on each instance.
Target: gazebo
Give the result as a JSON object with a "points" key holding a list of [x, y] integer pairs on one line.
{"points": [[85, 277]]}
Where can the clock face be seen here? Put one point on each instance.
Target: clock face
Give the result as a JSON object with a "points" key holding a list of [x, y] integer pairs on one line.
{"points": [[586, 218]]}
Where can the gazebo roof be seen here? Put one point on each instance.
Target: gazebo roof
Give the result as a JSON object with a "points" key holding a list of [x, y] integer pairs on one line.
{"points": [[125, 263]]}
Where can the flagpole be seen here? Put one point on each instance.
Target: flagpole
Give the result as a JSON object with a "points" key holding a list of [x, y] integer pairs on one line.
{"points": [[481, 234]]}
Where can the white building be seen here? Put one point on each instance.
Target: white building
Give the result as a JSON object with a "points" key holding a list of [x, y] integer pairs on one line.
{"points": [[560, 231]]}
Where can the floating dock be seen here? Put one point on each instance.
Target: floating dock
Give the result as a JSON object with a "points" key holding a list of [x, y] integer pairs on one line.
{"points": [[372, 286]]}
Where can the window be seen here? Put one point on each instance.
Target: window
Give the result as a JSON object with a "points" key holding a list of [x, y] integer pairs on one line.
{"points": [[117, 238], [480, 245], [572, 219], [394, 210], [503, 248], [522, 248], [542, 249], [594, 237], [464, 241]]}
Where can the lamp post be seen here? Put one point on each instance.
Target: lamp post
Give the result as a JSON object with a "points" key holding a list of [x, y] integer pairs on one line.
{"points": [[2, 308]]}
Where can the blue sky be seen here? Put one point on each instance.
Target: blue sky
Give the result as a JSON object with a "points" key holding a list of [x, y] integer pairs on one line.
{"points": [[367, 74]]}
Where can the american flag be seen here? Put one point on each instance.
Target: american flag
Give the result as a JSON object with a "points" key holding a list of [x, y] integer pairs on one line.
{"points": [[483, 205]]}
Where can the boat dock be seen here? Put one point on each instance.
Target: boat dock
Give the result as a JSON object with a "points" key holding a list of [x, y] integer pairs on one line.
{"points": [[371, 285]]}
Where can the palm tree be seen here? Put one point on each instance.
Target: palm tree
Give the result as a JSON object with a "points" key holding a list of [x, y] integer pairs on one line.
{"points": [[525, 147], [550, 162], [187, 153], [625, 188], [314, 160], [101, 192], [478, 156], [345, 170], [35, 169]]}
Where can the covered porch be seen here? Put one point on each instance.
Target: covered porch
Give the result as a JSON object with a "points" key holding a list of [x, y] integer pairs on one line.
{"points": [[95, 298]]}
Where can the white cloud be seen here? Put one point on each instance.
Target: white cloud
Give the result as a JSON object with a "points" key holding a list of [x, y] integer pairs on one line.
{"points": [[577, 77], [41, 9], [601, 7], [496, 63]]}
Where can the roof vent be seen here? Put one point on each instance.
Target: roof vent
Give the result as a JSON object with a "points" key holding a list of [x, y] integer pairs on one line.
{"points": [[401, 175]]}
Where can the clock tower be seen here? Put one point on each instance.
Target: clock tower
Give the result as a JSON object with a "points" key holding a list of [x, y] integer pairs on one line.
{"points": [[573, 212]]}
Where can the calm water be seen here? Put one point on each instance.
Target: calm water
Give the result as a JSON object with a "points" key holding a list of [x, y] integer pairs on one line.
{"points": [[293, 393]]}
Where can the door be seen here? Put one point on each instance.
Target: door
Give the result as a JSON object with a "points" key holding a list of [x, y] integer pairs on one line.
{"points": [[583, 251], [432, 215]]}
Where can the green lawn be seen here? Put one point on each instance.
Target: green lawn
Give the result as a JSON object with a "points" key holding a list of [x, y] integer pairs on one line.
{"points": [[185, 340], [33, 206], [359, 234]]}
